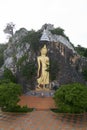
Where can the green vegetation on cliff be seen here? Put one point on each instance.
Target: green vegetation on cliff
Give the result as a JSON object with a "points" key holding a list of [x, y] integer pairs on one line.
{"points": [[81, 50], [59, 31], [33, 38], [2, 48]]}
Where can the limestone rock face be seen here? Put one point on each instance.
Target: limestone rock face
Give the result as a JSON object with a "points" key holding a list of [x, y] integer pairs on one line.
{"points": [[16, 49], [60, 51], [48, 36]]}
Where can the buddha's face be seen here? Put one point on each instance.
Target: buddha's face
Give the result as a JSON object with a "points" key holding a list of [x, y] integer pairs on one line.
{"points": [[44, 50]]}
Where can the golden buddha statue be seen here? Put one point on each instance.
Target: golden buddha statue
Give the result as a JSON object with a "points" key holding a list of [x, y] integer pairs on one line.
{"points": [[43, 63]]}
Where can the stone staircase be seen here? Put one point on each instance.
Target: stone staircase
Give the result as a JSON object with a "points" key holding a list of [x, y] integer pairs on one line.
{"points": [[38, 103]]}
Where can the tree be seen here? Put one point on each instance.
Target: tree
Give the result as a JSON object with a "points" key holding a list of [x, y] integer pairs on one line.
{"points": [[9, 28], [81, 50], [85, 53]]}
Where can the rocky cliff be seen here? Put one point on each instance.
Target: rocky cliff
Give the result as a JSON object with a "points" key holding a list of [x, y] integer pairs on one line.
{"points": [[24, 47]]}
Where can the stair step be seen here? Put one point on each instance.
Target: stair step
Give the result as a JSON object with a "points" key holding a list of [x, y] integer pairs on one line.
{"points": [[38, 103]]}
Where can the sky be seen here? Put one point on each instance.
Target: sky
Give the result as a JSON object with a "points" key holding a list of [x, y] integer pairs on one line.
{"points": [[71, 15]]}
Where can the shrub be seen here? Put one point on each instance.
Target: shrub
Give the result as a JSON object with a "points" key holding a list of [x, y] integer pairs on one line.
{"points": [[5, 81], [9, 75], [9, 97], [9, 94], [18, 108], [71, 98]]}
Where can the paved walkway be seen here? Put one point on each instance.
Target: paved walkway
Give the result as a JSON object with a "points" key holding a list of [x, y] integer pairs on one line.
{"points": [[41, 118]]}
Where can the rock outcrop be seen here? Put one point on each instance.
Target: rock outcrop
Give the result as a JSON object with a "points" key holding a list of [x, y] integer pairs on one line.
{"points": [[16, 49], [60, 50]]}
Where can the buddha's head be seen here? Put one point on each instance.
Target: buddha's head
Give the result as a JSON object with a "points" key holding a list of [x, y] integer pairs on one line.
{"points": [[44, 50]]}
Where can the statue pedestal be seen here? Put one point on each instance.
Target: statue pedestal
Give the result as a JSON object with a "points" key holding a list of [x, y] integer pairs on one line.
{"points": [[41, 93], [42, 89]]}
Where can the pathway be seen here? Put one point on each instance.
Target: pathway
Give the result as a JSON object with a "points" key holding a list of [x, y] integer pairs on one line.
{"points": [[41, 118]]}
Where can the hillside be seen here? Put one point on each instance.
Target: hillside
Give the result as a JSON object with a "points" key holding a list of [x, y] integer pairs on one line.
{"points": [[20, 56]]}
